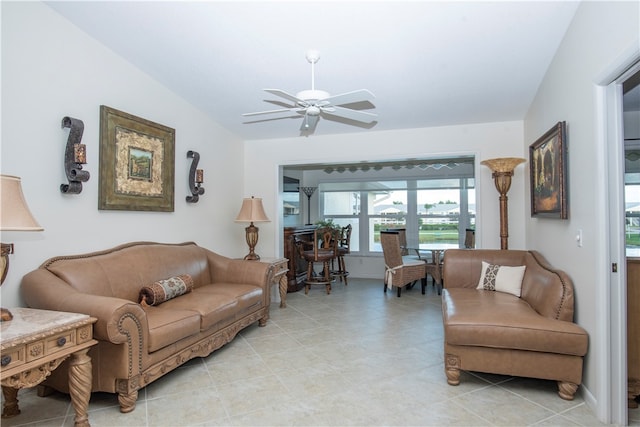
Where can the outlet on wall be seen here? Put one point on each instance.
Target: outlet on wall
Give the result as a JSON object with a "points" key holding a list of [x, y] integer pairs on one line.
{"points": [[579, 238]]}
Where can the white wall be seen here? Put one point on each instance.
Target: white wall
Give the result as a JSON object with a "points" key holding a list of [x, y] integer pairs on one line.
{"points": [[598, 35], [50, 70], [489, 140]]}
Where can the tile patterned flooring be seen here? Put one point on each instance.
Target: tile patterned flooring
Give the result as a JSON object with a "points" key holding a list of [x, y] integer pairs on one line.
{"points": [[357, 357]]}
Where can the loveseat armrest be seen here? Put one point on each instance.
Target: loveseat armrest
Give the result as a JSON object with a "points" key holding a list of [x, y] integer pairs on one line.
{"points": [[43, 290], [228, 270]]}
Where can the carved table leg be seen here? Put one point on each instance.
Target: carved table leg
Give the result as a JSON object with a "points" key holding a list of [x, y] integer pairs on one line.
{"points": [[11, 408], [80, 385], [283, 291]]}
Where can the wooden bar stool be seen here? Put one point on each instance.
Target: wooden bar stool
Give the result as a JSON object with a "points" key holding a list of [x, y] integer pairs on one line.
{"points": [[344, 247], [324, 250]]}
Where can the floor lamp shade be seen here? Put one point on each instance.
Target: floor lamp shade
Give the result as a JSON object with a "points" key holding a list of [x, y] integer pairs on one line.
{"points": [[252, 211]]}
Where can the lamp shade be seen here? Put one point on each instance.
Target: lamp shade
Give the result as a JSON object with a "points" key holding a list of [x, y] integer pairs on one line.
{"points": [[252, 211], [14, 212], [503, 164]]}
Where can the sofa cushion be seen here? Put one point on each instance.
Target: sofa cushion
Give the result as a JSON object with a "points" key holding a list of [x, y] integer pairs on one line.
{"points": [[164, 290], [166, 326], [214, 308], [247, 296], [501, 278], [482, 318]]}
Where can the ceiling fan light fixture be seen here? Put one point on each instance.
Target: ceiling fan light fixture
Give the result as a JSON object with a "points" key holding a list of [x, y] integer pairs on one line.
{"points": [[313, 111]]}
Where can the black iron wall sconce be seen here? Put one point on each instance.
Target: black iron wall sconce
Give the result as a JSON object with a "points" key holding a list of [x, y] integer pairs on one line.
{"points": [[75, 156], [196, 178]]}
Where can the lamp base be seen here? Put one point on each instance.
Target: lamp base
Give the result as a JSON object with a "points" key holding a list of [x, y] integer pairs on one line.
{"points": [[6, 250], [5, 315], [252, 241], [252, 257]]}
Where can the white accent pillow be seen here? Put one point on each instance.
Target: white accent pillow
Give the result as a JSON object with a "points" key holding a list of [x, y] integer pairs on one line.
{"points": [[501, 278]]}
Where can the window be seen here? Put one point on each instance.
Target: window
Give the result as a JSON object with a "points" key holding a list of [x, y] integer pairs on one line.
{"points": [[632, 212], [435, 206], [343, 207]]}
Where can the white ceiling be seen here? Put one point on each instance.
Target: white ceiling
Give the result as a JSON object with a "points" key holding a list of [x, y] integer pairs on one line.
{"points": [[428, 63]]}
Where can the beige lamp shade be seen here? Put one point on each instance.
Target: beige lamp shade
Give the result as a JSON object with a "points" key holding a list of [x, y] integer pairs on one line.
{"points": [[14, 212], [503, 164], [252, 211]]}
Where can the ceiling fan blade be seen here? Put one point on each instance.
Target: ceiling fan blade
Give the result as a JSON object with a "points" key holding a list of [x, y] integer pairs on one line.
{"points": [[272, 119], [309, 124], [280, 110], [285, 95], [351, 97], [347, 113]]}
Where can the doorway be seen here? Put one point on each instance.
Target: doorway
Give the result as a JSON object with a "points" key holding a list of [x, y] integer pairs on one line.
{"points": [[614, 362], [631, 133]]}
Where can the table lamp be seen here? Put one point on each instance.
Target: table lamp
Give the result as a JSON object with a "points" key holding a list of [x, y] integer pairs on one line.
{"points": [[14, 216], [502, 169], [252, 211]]}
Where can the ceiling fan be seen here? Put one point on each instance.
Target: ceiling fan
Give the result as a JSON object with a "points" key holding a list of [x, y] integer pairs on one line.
{"points": [[313, 104]]}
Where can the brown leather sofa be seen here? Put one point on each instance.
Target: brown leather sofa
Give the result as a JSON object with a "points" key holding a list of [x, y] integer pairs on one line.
{"points": [[497, 332], [139, 343]]}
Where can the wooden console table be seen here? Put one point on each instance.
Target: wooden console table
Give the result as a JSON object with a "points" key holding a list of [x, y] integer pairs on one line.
{"points": [[34, 344], [279, 269]]}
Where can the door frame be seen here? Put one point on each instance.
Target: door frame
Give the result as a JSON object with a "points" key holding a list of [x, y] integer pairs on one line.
{"points": [[612, 310]]}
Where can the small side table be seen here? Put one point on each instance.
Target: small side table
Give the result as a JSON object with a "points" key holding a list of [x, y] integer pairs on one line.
{"points": [[34, 344], [279, 268]]}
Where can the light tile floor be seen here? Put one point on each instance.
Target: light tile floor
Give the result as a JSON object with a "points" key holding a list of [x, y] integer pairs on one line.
{"points": [[357, 357]]}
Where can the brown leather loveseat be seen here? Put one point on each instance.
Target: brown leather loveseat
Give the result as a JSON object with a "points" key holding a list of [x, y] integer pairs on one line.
{"points": [[139, 343], [495, 331]]}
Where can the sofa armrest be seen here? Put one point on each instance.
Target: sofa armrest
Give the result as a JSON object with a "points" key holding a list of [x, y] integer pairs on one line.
{"points": [[43, 290], [228, 270]]}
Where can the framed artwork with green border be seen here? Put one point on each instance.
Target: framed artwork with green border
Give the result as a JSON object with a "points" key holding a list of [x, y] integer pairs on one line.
{"points": [[137, 163]]}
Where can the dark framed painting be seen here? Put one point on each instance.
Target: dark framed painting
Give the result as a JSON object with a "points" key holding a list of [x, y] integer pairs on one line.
{"points": [[137, 163], [548, 170]]}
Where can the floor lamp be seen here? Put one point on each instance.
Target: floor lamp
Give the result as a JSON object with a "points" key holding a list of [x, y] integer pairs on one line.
{"points": [[309, 192], [502, 169]]}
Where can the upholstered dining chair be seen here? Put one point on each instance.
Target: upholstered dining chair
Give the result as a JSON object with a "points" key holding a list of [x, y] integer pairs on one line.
{"points": [[322, 249], [400, 271], [344, 248]]}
